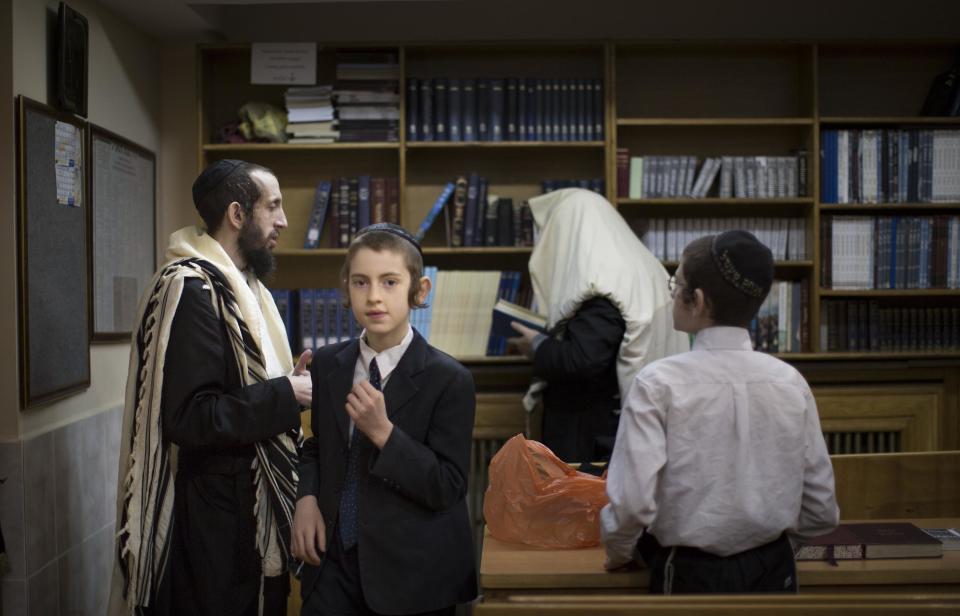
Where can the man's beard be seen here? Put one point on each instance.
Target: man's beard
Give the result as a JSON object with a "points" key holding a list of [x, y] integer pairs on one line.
{"points": [[254, 250]]}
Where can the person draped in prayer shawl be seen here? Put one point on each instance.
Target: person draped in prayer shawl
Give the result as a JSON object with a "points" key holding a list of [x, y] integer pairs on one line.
{"points": [[608, 314], [211, 420]]}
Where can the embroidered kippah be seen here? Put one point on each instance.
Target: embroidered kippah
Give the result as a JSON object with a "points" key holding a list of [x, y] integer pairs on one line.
{"points": [[392, 229], [744, 262], [211, 177]]}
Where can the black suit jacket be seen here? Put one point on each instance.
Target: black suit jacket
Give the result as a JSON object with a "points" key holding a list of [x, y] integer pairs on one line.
{"points": [[415, 546]]}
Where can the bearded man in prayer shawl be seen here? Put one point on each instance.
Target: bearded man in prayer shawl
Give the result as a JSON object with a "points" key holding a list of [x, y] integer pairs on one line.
{"points": [[608, 314], [212, 414]]}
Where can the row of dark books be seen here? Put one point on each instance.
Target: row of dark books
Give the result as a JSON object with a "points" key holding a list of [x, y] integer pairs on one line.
{"points": [[475, 217], [596, 185], [351, 204], [782, 323], [504, 109], [894, 165], [458, 317], [890, 252], [867, 326], [315, 317], [667, 237], [748, 177]]}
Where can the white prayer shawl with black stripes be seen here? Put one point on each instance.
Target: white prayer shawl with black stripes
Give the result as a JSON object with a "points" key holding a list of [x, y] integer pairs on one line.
{"points": [[148, 462]]}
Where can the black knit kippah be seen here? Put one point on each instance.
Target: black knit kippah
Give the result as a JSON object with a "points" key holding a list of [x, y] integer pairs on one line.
{"points": [[744, 262], [211, 177], [392, 229]]}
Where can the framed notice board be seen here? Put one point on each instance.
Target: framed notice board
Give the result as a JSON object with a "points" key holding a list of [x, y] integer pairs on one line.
{"points": [[52, 199], [122, 231]]}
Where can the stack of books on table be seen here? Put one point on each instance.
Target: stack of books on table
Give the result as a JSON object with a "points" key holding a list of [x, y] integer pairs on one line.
{"points": [[310, 115]]}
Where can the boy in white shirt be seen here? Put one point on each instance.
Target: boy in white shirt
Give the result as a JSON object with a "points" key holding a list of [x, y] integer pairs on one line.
{"points": [[719, 459]]}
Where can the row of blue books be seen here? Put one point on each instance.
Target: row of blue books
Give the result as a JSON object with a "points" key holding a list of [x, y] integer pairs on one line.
{"points": [[504, 109], [890, 165], [351, 204], [859, 325], [474, 217], [461, 309]]}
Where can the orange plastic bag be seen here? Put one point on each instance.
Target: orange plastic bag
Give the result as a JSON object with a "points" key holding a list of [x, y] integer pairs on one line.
{"points": [[537, 499]]}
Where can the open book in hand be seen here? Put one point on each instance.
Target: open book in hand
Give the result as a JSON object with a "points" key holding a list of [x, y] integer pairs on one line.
{"points": [[505, 312], [872, 540]]}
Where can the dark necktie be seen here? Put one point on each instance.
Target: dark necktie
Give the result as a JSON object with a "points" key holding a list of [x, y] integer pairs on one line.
{"points": [[349, 510]]}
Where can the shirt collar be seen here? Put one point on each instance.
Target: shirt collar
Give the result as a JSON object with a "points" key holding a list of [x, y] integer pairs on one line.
{"points": [[723, 338], [386, 360]]}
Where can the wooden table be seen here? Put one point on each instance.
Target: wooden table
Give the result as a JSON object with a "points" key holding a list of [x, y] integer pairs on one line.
{"points": [[511, 569]]}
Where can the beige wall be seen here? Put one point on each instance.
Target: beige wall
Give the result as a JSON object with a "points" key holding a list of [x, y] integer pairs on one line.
{"points": [[9, 415], [124, 97]]}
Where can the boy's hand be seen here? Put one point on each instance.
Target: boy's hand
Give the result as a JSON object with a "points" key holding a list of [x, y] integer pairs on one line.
{"points": [[368, 411], [301, 382], [308, 538]]}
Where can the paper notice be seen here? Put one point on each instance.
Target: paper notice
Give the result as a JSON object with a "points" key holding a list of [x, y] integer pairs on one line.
{"points": [[68, 157], [283, 63]]}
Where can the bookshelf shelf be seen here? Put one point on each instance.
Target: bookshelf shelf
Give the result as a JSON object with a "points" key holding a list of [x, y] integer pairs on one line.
{"points": [[715, 121], [890, 121], [886, 207], [780, 265], [495, 145], [873, 356], [716, 201], [890, 293], [290, 147], [310, 252], [478, 250]]}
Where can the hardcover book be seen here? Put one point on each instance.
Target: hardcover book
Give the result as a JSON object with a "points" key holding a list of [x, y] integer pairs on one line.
{"points": [[505, 312]]}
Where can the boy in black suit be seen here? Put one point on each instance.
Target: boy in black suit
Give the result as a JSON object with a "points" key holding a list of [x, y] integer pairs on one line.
{"points": [[381, 517]]}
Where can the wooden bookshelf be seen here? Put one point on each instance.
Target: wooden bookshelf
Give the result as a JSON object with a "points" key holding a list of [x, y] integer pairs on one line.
{"points": [[661, 98], [715, 121]]}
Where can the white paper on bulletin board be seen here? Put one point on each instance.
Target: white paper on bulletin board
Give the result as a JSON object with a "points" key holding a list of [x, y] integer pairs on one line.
{"points": [[283, 63]]}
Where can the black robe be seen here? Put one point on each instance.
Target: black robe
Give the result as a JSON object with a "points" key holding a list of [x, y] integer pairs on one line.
{"points": [[214, 418], [579, 423]]}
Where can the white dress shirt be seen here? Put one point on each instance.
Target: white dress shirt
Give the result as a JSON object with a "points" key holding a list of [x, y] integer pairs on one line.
{"points": [[387, 360], [720, 449]]}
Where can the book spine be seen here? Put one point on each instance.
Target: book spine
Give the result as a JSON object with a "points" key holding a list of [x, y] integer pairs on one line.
{"points": [[363, 202], [464, 215], [454, 128], [497, 96], [469, 95], [522, 110], [317, 215], [378, 200], [483, 109], [413, 119], [426, 110], [512, 108], [435, 210], [440, 109]]}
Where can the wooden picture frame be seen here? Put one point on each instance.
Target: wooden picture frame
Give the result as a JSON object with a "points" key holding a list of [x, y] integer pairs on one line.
{"points": [[122, 238], [52, 195]]}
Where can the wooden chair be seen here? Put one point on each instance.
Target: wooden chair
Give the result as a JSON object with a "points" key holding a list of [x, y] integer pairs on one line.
{"points": [[898, 485]]}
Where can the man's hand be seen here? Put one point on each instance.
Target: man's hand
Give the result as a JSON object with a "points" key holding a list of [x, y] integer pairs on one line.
{"points": [[523, 342], [308, 538], [300, 380], [368, 411]]}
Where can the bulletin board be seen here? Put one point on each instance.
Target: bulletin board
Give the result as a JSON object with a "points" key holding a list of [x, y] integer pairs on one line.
{"points": [[122, 231], [52, 281]]}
